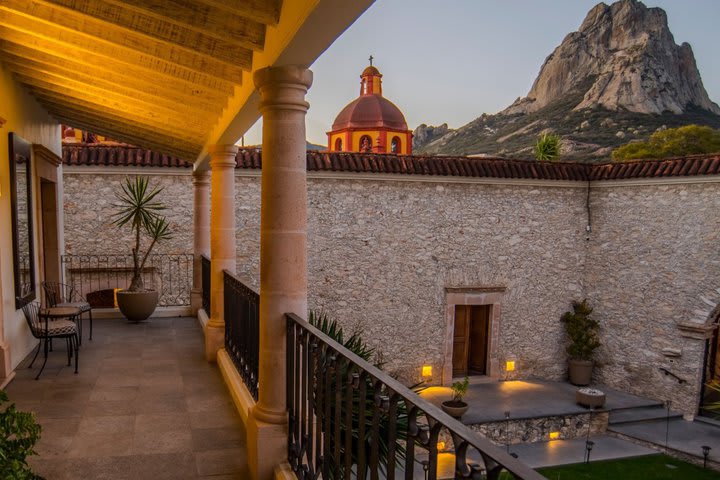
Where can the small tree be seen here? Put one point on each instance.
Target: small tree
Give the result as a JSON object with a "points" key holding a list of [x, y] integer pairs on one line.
{"points": [[459, 389], [18, 435], [547, 147], [672, 142], [137, 207], [582, 331]]}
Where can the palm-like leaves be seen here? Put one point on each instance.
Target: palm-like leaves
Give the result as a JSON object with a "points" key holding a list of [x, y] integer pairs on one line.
{"points": [[139, 208]]}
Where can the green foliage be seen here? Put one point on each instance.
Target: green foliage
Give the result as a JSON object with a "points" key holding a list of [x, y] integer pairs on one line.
{"points": [[656, 467], [139, 209], [459, 389], [582, 331], [18, 435], [547, 147], [672, 142]]}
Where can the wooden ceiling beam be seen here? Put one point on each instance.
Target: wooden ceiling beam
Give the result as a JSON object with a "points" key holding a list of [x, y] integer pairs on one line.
{"points": [[33, 17], [187, 81], [96, 86], [133, 112], [263, 11], [72, 68], [249, 35], [96, 112], [221, 24], [121, 135]]}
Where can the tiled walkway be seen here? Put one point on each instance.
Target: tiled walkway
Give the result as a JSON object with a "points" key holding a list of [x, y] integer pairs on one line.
{"points": [[145, 405]]}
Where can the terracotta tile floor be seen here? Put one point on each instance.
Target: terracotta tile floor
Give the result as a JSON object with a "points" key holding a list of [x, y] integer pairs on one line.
{"points": [[145, 405]]}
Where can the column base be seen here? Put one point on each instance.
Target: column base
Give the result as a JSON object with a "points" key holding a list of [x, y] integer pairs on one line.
{"points": [[267, 447], [214, 341], [195, 300]]}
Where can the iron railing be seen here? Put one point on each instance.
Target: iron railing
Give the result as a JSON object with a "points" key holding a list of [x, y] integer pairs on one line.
{"points": [[242, 329], [348, 419], [205, 274], [169, 274]]}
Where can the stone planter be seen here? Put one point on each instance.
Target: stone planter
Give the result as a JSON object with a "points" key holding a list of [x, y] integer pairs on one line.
{"points": [[137, 306], [590, 398], [580, 372], [454, 408]]}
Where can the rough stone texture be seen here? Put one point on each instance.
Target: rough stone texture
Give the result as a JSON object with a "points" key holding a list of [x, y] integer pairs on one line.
{"points": [[653, 257], [628, 53], [382, 252], [530, 430]]}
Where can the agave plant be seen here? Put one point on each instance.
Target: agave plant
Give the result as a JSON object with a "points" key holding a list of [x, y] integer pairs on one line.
{"points": [[139, 209], [547, 147], [357, 345]]}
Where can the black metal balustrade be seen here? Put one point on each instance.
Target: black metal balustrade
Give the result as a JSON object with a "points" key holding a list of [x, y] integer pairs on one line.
{"points": [[242, 329], [348, 419], [205, 273], [170, 274]]}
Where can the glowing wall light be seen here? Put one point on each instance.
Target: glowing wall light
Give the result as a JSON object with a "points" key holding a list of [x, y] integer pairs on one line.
{"points": [[554, 435], [441, 446], [427, 370], [510, 366]]}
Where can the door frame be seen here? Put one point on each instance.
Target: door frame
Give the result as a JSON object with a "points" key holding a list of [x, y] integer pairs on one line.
{"points": [[481, 295]]}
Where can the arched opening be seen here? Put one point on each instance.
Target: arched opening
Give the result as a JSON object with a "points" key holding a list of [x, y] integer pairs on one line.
{"points": [[711, 375], [365, 143], [338, 144], [396, 145]]}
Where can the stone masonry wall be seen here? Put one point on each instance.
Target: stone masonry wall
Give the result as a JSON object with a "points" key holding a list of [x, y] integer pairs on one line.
{"points": [[653, 263]]}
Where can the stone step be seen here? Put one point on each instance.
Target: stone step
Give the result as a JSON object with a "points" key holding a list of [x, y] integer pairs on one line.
{"points": [[710, 421], [641, 414]]}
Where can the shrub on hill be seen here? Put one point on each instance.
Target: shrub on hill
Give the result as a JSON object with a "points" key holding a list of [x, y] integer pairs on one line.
{"points": [[673, 142]]}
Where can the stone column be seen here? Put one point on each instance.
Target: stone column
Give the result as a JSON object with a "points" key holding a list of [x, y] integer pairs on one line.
{"points": [[222, 240], [283, 253], [201, 233]]}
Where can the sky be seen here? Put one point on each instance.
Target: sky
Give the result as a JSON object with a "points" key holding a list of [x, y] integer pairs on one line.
{"points": [[451, 61]]}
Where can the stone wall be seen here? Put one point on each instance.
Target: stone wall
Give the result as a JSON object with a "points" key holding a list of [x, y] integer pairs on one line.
{"points": [[653, 264], [382, 253]]}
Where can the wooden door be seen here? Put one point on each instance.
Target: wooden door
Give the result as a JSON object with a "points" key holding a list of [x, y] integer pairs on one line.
{"points": [[478, 339], [461, 340]]}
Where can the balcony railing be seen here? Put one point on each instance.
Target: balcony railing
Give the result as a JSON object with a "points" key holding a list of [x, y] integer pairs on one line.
{"points": [[348, 419], [96, 276], [205, 274], [242, 330]]}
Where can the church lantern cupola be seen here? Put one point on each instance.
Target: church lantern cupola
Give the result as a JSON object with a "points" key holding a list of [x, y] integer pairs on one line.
{"points": [[371, 123]]}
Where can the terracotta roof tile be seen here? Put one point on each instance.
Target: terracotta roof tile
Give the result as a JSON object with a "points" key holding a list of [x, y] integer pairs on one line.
{"points": [[250, 158]]}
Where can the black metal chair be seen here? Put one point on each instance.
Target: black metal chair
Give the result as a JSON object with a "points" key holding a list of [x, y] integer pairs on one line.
{"points": [[63, 295], [45, 330]]}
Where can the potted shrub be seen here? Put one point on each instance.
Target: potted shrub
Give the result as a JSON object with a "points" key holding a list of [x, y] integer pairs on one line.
{"points": [[582, 332], [456, 407], [18, 434], [139, 210]]}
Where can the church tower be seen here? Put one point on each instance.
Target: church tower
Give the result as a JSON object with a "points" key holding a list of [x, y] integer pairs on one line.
{"points": [[370, 123]]}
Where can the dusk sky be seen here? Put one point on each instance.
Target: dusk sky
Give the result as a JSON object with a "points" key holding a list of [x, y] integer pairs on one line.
{"points": [[452, 61]]}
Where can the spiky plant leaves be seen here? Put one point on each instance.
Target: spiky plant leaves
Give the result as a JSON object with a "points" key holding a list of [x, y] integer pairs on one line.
{"points": [[547, 147]]}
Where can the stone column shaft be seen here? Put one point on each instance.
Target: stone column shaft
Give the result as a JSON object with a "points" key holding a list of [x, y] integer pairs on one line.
{"points": [[222, 240], [283, 252], [201, 233]]}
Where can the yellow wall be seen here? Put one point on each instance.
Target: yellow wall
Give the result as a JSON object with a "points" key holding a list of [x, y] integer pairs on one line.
{"points": [[374, 134], [334, 137], [25, 117], [356, 136]]}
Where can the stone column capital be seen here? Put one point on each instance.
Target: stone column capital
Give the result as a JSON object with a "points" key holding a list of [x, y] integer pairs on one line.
{"points": [[222, 156], [201, 177], [284, 87]]}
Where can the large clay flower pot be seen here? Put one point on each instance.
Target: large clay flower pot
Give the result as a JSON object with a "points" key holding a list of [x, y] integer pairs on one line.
{"points": [[137, 306], [580, 372], [454, 408]]}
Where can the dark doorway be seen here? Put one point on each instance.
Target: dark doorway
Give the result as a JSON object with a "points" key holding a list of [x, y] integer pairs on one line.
{"points": [[470, 340], [711, 394]]}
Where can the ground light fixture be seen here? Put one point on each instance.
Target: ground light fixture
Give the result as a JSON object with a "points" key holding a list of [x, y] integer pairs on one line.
{"points": [[554, 435], [589, 444], [427, 371], [706, 451]]}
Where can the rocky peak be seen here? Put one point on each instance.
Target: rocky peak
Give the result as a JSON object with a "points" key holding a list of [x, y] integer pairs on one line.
{"points": [[624, 57]]}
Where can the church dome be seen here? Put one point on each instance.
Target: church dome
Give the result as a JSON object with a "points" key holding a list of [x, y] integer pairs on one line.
{"points": [[370, 111]]}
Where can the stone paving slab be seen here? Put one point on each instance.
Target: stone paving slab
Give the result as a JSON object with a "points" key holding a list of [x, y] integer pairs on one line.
{"points": [[145, 405]]}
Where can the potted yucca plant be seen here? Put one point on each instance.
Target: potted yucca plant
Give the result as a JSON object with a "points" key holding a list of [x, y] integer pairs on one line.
{"points": [[139, 210]]}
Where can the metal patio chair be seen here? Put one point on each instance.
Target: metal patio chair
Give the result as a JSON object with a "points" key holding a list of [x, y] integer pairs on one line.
{"points": [[45, 330], [64, 295]]}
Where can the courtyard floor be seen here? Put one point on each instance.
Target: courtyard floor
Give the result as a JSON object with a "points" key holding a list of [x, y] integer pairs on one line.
{"points": [[145, 405]]}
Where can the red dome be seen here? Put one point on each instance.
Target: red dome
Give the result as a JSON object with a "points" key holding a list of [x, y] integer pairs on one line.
{"points": [[370, 71], [370, 111]]}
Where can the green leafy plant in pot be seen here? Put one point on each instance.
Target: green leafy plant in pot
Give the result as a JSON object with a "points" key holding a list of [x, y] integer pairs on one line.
{"points": [[18, 434], [457, 407], [139, 210], [582, 332]]}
